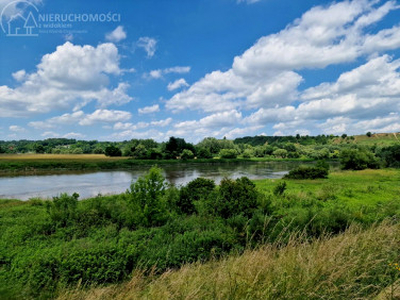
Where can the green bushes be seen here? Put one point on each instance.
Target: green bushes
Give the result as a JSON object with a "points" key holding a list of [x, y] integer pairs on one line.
{"points": [[146, 198], [62, 210], [358, 159], [305, 172], [234, 197], [195, 190], [228, 153]]}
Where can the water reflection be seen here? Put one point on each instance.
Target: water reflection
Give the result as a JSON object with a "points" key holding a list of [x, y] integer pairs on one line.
{"points": [[113, 182]]}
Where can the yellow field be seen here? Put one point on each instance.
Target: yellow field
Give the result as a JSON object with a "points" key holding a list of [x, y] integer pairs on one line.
{"points": [[22, 157]]}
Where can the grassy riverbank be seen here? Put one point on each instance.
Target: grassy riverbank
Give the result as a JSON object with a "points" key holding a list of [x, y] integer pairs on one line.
{"points": [[49, 248], [353, 265], [36, 163]]}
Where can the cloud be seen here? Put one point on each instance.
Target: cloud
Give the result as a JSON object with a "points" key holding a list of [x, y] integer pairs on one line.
{"points": [[177, 84], [248, 1], [117, 35], [71, 76], [19, 75], [80, 118], [131, 134], [16, 128], [266, 75], [148, 44], [142, 125], [157, 74], [105, 116], [149, 109], [70, 135]]}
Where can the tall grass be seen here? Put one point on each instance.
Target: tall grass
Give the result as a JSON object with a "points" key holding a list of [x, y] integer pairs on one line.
{"points": [[354, 264]]}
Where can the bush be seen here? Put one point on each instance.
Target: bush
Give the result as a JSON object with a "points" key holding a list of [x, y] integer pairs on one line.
{"points": [[195, 190], [234, 197], [358, 159], [390, 156], [187, 154], [280, 188], [228, 153], [62, 210], [147, 201], [113, 151], [306, 172], [204, 153]]}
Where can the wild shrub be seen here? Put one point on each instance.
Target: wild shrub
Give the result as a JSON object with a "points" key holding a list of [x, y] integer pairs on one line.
{"points": [[195, 190], [280, 188], [62, 210], [234, 197], [306, 172], [228, 153], [146, 199], [358, 159]]}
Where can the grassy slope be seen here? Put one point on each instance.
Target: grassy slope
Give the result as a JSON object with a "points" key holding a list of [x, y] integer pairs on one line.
{"points": [[380, 139], [352, 265]]}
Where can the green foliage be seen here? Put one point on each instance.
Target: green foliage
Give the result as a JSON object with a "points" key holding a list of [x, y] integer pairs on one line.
{"points": [[187, 154], [280, 188], [281, 153], [196, 190], [113, 151], [147, 201], [390, 156], [358, 159], [306, 172], [234, 197], [62, 210], [228, 153]]}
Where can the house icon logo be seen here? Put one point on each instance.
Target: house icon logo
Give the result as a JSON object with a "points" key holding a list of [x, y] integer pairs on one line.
{"points": [[18, 18]]}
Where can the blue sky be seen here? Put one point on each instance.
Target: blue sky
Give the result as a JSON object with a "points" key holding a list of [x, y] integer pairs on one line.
{"points": [[193, 69]]}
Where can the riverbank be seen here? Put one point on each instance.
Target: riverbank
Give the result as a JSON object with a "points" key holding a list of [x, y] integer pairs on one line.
{"points": [[25, 164], [48, 250]]}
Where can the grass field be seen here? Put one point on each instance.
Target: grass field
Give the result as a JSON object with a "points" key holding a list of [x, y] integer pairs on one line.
{"points": [[379, 139], [356, 189]]}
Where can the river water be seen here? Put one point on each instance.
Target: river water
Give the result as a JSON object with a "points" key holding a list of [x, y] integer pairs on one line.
{"points": [[114, 182]]}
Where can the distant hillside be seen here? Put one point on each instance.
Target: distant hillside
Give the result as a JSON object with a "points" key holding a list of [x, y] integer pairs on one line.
{"points": [[380, 139]]}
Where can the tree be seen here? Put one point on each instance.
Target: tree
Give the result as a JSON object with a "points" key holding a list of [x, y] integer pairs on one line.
{"points": [[344, 136], [187, 154], [358, 159], [113, 151], [282, 153], [195, 190], [228, 153], [204, 153], [147, 201], [369, 134], [235, 197], [39, 148]]}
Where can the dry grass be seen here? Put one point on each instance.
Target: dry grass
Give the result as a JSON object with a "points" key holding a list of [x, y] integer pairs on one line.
{"points": [[33, 157], [351, 265]]}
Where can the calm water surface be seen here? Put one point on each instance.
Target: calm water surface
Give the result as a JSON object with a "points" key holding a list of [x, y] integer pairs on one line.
{"points": [[114, 182]]}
